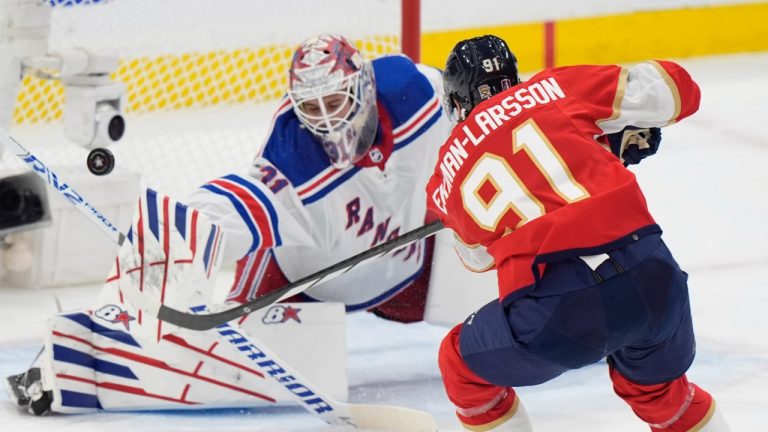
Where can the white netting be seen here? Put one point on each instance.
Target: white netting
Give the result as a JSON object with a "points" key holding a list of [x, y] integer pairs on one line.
{"points": [[197, 72]]}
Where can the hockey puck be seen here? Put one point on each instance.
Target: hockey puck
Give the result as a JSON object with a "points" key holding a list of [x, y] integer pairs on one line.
{"points": [[100, 161]]}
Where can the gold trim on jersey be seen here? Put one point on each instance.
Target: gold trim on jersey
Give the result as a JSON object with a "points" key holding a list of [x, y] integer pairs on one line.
{"points": [[621, 88], [490, 266], [487, 205], [672, 88], [517, 146]]}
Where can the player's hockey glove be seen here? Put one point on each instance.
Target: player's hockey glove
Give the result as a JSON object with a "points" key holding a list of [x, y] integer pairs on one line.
{"points": [[632, 144]]}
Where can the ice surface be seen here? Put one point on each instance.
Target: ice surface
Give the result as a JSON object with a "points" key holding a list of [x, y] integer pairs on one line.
{"points": [[706, 188]]}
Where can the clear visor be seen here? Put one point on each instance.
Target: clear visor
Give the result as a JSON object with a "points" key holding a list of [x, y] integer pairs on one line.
{"points": [[452, 110]]}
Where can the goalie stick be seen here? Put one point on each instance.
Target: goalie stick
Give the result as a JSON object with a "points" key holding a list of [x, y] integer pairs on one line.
{"points": [[211, 320], [365, 416]]}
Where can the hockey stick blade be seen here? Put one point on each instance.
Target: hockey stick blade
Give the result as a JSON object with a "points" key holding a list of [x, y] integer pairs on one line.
{"points": [[318, 402], [391, 418], [194, 321]]}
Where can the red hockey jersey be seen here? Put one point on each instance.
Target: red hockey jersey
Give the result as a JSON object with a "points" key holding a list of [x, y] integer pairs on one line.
{"points": [[525, 176]]}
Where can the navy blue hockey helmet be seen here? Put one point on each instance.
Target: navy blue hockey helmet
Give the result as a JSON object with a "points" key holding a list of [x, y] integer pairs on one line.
{"points": [[477, 69]]}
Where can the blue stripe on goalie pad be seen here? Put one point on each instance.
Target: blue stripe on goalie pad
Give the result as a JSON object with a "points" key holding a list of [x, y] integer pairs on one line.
{"points": [[152, 214], [208, 247], [181, 220], [69, 355], [79, 400], [85, 321]]}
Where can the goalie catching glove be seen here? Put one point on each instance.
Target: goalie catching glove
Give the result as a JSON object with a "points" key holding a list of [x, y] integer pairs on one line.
{"points": [[632, 144], [171, 257]]}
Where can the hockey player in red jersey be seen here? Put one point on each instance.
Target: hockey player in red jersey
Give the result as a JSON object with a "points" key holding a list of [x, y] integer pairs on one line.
{"points": [[533, 183]]}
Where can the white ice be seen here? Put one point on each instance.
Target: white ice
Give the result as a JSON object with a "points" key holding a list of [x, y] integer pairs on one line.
{"points": [[706, 188]]}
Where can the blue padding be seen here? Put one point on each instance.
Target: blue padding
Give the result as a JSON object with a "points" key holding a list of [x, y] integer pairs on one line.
{"points": [[69, 355], [80, 400], [85, 321]]}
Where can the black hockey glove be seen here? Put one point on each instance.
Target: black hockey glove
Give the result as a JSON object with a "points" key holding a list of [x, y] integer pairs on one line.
{"points": [[633, 145]]}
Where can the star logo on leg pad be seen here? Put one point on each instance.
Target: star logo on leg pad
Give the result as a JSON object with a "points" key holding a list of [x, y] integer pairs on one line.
{"points": [[113, 313], [278, 314]]}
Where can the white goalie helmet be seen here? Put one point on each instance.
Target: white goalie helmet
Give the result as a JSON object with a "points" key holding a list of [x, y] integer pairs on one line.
{"points": [[333, 91]]}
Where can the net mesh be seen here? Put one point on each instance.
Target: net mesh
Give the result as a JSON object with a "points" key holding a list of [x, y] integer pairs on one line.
{"points": [[202, 77]]}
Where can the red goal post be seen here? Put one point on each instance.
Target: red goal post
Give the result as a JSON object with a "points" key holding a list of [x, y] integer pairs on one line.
{"points": [[411, 29]]}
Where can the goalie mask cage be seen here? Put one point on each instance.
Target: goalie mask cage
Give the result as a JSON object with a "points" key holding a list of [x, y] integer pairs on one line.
{"points": [[200, 75]]}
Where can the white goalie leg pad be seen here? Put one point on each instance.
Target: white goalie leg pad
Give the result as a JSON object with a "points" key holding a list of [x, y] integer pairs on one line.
{"points": [[91, 362], [69, 373], [118, 356]]}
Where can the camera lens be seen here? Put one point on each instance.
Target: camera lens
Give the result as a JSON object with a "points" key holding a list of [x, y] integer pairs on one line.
{"points": [[116, 127], [10, 200]]}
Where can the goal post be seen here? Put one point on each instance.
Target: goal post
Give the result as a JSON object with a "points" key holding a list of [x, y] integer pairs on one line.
{"points": [[411, 29]]}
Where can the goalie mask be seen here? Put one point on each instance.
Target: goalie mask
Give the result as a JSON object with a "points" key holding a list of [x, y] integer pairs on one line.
{"points": [[333, 91], [477, 69]]}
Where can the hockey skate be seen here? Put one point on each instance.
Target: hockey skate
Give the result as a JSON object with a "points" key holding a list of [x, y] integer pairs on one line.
{"points": [[26, 390]]}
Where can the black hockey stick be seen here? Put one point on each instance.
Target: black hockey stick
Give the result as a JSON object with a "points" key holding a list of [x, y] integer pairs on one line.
{"points": [[208, 321]]}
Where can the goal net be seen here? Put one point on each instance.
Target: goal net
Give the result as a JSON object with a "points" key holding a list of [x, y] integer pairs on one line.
{"points": [[199, 75], [203, 78]]}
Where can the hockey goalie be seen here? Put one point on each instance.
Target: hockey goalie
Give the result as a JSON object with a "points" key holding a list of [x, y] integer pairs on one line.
{"points": [[115, 356], [340, 172]]}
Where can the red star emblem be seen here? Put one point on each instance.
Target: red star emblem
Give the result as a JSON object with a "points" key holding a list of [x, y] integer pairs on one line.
{"points": [[124, 318], [291, 313]]}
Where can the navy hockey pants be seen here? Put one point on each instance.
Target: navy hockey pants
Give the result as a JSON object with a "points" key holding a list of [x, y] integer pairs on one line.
{"points": [[633, 309]]}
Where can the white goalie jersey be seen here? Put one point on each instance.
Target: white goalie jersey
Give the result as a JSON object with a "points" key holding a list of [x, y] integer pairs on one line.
{"points": [[293, 214], [297, 214]]}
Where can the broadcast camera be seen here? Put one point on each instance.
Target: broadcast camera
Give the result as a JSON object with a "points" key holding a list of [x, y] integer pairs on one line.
{"points": [[23, 203], [94, 104], [93, 114]]}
